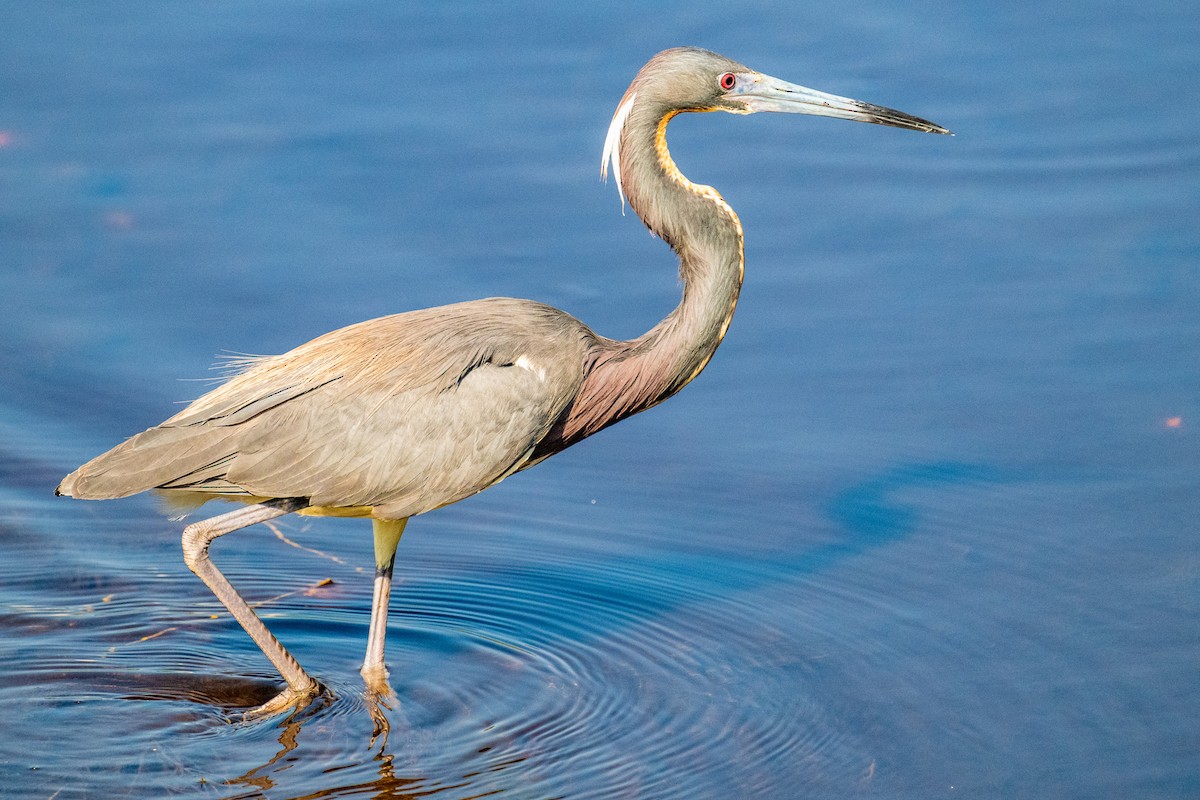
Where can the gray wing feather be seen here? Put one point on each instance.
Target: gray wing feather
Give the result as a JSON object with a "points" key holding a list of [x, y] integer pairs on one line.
{"points": [[406, 413], [410, 452], [150, 459]]}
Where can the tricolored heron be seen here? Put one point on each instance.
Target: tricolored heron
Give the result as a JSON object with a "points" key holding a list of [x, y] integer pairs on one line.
{"points": [[400, 415]]}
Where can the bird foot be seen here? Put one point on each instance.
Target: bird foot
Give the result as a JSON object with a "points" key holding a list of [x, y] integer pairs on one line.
{"points": [[376, 706], [379, 693], [287, 700]]}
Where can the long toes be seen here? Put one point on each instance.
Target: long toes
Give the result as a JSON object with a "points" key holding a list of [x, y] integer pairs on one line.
{"points": [[380, 726], [286, 700], [378, 704]]}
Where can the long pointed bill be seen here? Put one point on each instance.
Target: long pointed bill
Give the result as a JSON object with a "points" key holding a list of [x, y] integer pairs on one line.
{"points": [[758, 92]]}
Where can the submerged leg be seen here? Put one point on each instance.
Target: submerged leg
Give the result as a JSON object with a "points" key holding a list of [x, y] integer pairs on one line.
{"points": [[387, 536], [196, 539]]}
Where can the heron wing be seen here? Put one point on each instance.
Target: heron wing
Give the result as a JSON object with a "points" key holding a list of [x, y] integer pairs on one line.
{"points": [[410, 451], [410, 412]]}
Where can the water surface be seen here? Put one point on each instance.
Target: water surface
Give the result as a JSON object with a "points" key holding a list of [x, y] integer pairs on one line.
{"points": [[924, 528]]}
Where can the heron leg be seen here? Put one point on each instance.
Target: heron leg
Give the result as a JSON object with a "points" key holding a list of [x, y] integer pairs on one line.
{"points": [[196, 539], [387, 537]]}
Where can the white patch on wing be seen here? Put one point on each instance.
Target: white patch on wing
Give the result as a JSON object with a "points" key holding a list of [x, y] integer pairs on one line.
{"points": [[612, 146], [524, 363]]}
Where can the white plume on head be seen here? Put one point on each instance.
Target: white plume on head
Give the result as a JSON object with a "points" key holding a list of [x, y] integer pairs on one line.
{"points": [[612, 146]]}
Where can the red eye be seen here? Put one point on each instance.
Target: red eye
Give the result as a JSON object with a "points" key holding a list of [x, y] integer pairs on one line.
{"points": [[727, 80]]}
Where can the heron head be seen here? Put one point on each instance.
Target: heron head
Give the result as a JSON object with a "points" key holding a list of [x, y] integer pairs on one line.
{"points": [[692, 79]]}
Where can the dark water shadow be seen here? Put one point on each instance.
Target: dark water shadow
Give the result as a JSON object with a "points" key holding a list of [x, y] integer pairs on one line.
{"points": [[228, 693], [873, 512]]}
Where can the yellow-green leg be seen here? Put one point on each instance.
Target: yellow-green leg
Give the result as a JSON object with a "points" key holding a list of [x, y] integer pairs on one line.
{"points": [[387, 537]]}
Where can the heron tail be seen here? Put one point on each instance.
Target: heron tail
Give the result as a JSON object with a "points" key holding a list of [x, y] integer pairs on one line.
{"points": [[159, 458]]}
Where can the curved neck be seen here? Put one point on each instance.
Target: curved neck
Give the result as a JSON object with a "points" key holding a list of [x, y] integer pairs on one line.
{"points": [[704, 232]]}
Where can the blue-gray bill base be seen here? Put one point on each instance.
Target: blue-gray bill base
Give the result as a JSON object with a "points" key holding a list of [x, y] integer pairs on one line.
{"points": [[401, 415]]}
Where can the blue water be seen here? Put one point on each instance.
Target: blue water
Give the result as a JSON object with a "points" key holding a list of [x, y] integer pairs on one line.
{"points": [[926, 527]]}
